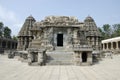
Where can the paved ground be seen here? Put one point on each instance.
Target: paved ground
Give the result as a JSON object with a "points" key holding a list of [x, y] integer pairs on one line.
{"points": [[12, 69]]}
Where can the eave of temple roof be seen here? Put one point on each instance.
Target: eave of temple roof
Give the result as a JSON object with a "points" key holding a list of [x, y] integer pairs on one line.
{"points": [[111, 40]]}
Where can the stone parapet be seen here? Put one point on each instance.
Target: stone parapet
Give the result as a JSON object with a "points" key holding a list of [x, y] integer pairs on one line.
{"points": [[82, 48], [82, 54]]}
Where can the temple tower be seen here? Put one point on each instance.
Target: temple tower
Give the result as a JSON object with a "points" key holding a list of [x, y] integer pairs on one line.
{"points": [[25, 36], [92, 33]]}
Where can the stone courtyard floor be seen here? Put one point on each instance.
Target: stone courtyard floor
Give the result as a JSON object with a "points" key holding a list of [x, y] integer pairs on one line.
{"points": [[12, 69]]}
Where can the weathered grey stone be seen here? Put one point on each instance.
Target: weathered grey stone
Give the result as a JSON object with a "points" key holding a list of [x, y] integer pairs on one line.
{"points": [[36, 56], [60, 34]]}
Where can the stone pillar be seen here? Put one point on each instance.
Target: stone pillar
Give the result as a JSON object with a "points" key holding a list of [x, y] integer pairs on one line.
{"points": [[29, 42], [21, 43], [40, 58], [107, 46], [103, 47], [111, 45], [89, 58], [80, 54], [88, 39], [25, 43], [77, 59], [98, 45], [75, 36], [93, 40], [30, 58], [68, 39], [18, 45], [97, 41], [55, 40], [117, 46]]}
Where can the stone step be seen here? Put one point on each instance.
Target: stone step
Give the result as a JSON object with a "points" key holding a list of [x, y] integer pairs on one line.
{"points": [[55, 62], [60, 52], [60, 49], [59, 58]]}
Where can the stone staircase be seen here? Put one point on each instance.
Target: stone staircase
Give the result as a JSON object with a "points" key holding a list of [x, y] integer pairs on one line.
{"points": [[59, 57]]}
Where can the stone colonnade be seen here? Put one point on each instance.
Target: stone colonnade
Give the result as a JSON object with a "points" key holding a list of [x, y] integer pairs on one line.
{"points": [[7, 44], [111, 44]]}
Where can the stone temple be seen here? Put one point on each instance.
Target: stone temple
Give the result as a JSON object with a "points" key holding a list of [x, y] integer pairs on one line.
{"points": [[59, 40]]}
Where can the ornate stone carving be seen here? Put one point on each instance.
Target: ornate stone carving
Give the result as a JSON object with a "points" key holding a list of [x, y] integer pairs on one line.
{"points": [[55, 32]]}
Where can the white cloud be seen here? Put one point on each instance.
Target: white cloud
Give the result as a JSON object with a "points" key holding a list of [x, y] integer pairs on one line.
{"points": [[10, 19], [7, 15]]}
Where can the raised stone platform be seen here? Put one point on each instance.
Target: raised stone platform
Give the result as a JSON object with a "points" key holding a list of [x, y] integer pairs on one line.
{"points": [[59, 58]]}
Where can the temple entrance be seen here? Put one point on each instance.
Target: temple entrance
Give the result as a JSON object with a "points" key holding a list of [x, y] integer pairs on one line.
{"points": [[59, 39], [84, 57], [35, 57]]}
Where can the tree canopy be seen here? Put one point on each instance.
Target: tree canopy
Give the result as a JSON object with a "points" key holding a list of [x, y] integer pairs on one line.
{"points": [[5, 31], [1, 29], [14, 37], [110, 31]]}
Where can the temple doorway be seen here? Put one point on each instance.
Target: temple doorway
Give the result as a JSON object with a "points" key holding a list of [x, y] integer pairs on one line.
{"points": [[35, 57], [60, 40], [84, 57]]}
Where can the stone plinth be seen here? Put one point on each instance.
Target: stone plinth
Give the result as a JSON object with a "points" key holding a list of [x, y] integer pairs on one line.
{"points": [[82, 54], [37, 56]]}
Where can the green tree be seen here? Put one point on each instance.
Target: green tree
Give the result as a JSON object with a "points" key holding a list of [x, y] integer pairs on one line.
{"points": [[107, 30], [7, 32], [1, 29], [102, 33], [116, 30], [14, 38]]}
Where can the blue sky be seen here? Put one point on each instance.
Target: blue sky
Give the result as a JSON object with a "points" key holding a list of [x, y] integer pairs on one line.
{"points": [[14, 12]]}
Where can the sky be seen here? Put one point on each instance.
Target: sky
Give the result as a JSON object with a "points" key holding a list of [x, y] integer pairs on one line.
{"points": [[14, 12]]}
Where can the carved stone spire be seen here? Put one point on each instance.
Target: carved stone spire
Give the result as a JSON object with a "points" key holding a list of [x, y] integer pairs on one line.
{"points": [[28, 24], [24, 36], [91, 27]]}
